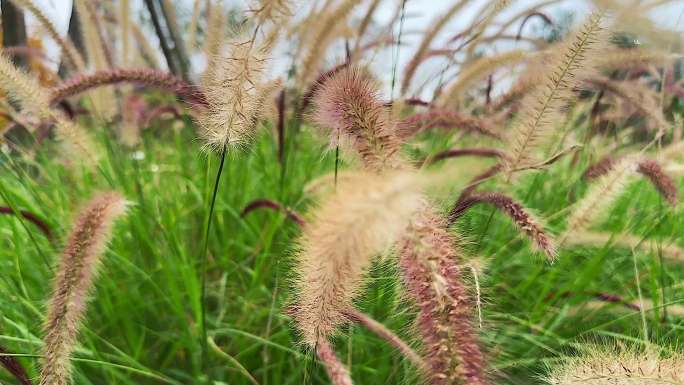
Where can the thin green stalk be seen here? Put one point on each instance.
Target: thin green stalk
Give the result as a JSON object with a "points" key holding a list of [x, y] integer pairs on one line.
{"points": [[203, 260]]}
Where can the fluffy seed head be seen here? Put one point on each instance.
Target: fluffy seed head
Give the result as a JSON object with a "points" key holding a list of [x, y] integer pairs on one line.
{"points": [[348, 104], [235, 94], [602, 366], [520, 215], [357, 222], [536, 123], [23, 88], [75, 275]]}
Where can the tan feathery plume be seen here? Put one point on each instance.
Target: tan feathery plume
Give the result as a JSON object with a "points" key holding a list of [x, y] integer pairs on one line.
{"points": [[26, 90], [214, 39], [275, 11], [338, 374], [143, 76], [428, 37], [520, 215], [325, 32], [628, 58], [348, 103], [535, 122], [603, 366], [599, 196], [431, 275], [68, 49], [651, 169], [235, 89], [97, 57], [477, 70], [75, 276], [23, 88], [360, 220]]}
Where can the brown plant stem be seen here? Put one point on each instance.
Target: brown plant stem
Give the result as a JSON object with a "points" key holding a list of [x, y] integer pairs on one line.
{"points": [[517, 212], [339, 375], [432, 276]]}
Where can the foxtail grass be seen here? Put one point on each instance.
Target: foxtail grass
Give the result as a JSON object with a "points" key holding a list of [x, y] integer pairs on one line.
{"points": [[536, 121], [520, 215], [75, 275], [360, 220]]}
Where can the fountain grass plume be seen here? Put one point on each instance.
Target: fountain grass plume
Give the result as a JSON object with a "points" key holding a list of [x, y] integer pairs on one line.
{"points": [[600, 195], [12, 365], [23, 88], [431, 274], [651, 169], [235, 89], [349, 105], [324, 33], [338, 374], [75, 275], [536, 117], [360, 220], [519, 214], [619, 366], [142, 76]]}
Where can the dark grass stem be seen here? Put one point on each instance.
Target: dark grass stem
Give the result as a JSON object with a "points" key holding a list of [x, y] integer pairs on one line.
{"points": [[203, 259]]}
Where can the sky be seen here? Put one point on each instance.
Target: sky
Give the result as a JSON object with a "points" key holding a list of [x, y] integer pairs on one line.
{"points": [[418, 16]]}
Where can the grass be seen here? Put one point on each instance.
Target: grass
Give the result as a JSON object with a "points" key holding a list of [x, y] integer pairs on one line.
{"points": [[142, 324]]}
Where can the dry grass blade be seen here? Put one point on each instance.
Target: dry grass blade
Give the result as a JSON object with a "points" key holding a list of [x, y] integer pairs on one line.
{"points": [[602, 366], [651, 169], [349, 105], [600, 195], [477, 70], [535, 123]]}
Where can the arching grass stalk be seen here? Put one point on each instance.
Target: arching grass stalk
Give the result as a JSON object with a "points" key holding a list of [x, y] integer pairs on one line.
{"points": [[203, 258]]}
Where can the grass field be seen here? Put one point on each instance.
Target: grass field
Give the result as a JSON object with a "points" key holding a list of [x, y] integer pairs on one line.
{"points": [[141, 325]]}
